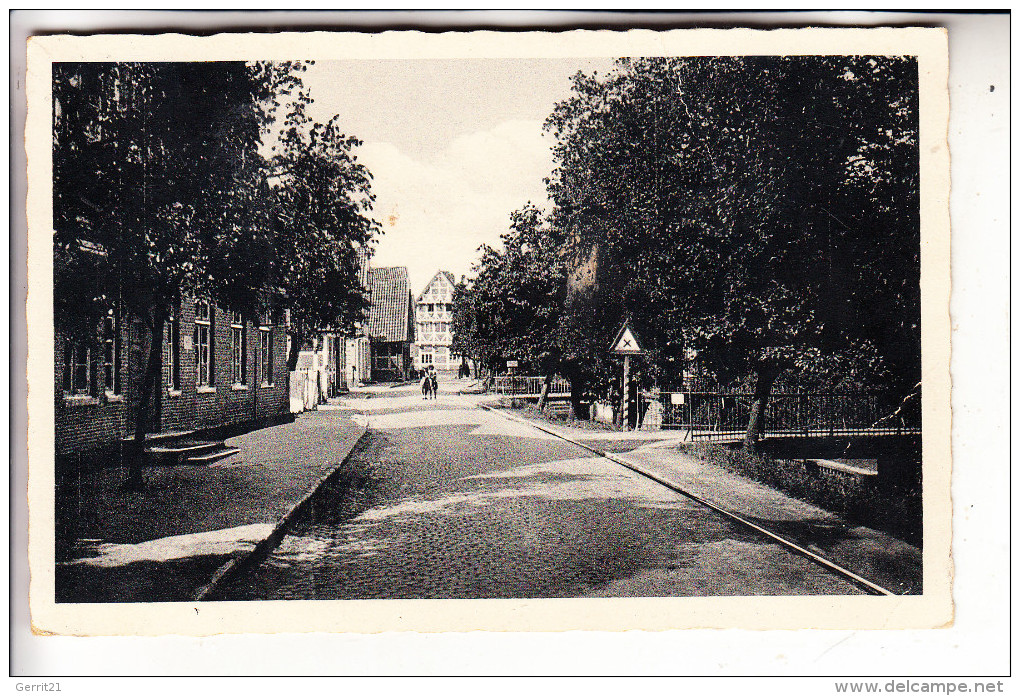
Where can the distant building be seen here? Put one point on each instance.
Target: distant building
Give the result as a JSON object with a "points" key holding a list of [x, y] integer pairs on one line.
{"points": [[333, 362], [434, 320], [390, 324], [357, 359]]}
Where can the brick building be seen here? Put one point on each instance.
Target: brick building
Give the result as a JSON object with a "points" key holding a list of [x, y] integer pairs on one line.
{"points": [[218, 370]]}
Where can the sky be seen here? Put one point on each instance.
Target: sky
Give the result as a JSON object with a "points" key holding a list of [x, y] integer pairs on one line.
{"points": [[454, 147]]}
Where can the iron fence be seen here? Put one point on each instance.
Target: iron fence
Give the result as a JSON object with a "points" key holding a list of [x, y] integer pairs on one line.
{"points": [[724, 415], [529, 386]]}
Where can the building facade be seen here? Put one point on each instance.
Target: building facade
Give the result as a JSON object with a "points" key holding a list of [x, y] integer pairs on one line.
{"points": [[335, 362], [218, 369], [390, 325], [357, 349], [433, 314]]}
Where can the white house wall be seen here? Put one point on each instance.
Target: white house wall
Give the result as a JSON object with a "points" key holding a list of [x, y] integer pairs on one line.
{"points": [[433, 315]]}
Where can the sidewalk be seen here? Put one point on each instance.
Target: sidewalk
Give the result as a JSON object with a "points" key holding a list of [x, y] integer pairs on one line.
{"points": [[168, 542], [874, 555]]}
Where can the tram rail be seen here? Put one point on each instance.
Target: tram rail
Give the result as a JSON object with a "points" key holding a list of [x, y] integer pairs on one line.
{"points": [[836, 569]]}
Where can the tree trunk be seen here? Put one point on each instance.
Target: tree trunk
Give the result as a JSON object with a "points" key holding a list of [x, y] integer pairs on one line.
{"points": [[544, 396], [153, 369], [767, 375], [577, 387], [297, 339]]}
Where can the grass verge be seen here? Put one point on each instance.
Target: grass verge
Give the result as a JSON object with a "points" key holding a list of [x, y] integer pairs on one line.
{"points": [[894, 510], [531, 412]]}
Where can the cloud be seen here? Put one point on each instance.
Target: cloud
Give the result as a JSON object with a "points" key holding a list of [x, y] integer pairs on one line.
{"points": [[436, 211]]}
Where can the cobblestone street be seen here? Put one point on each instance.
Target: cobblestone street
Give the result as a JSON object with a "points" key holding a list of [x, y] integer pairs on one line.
{"points": [[639, 332], [448, 500]]}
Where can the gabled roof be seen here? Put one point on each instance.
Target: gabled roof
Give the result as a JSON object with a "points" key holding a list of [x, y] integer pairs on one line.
{"points": [[389, 315], [447, 274]]}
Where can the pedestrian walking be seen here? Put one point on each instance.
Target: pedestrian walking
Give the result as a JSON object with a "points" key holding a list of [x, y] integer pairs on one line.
{"points": [[434, 382], [426, 385]]}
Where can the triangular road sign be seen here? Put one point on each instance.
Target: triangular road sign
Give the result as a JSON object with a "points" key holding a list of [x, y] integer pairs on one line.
{"points": [[626, 341]]}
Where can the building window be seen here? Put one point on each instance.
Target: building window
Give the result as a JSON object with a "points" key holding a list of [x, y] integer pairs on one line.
{"points": [[203, 343], [173, 354], [238, 349], [111, 353], [77, 363], [426, 358], [266, 350]]}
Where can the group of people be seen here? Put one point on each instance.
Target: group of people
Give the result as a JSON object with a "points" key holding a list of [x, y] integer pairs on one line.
{"points": [[429, 384]]}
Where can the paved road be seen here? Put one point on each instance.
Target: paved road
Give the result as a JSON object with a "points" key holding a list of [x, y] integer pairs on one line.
{"points": [[451, 501]]}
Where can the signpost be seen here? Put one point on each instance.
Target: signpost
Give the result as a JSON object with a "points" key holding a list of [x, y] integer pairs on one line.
{"points": [[626, 344]]}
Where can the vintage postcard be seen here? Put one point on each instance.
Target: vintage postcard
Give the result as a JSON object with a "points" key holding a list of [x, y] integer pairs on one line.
{"points": [[536, 331]]}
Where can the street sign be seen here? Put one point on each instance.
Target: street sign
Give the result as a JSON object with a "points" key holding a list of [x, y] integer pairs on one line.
{"points": [[626, 342], [511, 363]]}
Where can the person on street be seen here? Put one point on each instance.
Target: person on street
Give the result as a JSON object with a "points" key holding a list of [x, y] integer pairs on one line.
{"points": [[426, 385], [433, 382]]}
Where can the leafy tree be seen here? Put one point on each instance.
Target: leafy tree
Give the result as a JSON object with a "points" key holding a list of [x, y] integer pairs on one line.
{"points": [[322, 204], [161, 190], [760, 211], [156, 182], [511, 308]]}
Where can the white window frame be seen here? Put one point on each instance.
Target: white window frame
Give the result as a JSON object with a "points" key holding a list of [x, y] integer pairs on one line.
{"points": [[238, 350], [204, 348], [173, 355], [73, 361], [266, 352], [111, 354]]}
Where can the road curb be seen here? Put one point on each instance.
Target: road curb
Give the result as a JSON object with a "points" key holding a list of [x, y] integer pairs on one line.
{"points": [[263, 548], [862, 582]]}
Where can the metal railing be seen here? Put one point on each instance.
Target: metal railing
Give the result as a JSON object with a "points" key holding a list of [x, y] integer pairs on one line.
{"points": [[721, 415], [525, 386]]}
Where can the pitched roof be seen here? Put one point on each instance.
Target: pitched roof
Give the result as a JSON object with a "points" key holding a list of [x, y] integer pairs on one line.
{"points": [[389, 318], [447, 274]]}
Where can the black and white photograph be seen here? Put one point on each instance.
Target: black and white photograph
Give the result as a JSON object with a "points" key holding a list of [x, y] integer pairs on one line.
{"points": [[494, 326]]}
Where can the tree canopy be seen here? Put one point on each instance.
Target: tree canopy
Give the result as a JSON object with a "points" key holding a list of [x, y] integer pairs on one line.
{"points": [[322, 204], [156, 165], [758, 211], [162, 189], [511, 308]]}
